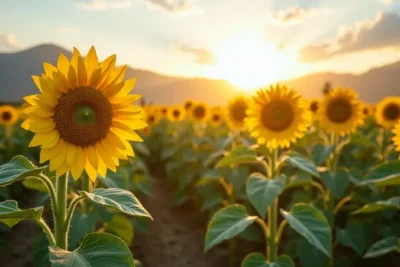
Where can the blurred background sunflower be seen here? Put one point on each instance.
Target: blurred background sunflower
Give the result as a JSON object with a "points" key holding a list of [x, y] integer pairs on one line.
{"points": [[313, 106], [340, 112], [200, 112], [187, 105], [216, 116], [396, 138], [367, 109], [8, 115], [278, 117], [388, 112], [153, 115], [236, 112], [176, 113]]}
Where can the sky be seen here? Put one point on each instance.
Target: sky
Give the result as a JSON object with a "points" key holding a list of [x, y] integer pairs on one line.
{"points": [[247, 42]]}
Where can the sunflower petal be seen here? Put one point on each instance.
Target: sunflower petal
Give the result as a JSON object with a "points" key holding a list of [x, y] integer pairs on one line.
{"points": [[79, 164], [71, 155], [92, 156], [63, 64], [91, 172], [49, 153]]}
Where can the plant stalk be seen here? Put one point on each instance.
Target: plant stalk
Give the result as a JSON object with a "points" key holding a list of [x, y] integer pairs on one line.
{"points": [[273, 215], [86, 186], [59, 220]]}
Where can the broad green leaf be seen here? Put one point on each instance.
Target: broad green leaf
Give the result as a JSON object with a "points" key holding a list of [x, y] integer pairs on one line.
{"points": [[310, 255], [262, 192], [352, 236], [16, 169], [361, 139], [239, 155], [297, 180], [119, 199], [10, 214], [227, 223], [122, 227], [81, 224], [336, 182], [392, 203], [258, 260], [4, 192], [299, 161], [253, 233], [383, 247], [41, 251], [311, 224], [213, 157], [35, 184], [211, 200], [97, 250], [321, 153], [387, 174], [213, 174]]}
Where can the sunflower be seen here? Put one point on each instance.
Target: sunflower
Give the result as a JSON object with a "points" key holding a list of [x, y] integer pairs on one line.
{"points": [[188, 104], [176, 114], [216, 116], [84, 116], [153, 115], [367, 109], [8, 115], [163, 111], [147, 130], [313, 106], [396, 138], [200, 112], [277, 117], [388, 112], [340, 112], [236, 112]]}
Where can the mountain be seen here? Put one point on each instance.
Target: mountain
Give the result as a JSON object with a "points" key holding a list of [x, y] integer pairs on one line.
{"points": [[15, 81]]}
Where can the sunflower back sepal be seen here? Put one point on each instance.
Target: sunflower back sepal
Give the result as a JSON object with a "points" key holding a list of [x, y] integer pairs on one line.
{"points": [[11, 214], [239, 155], [18, 168], [119, 199], [301, 162]]}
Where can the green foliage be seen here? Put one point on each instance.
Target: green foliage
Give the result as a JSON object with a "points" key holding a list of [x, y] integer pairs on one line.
{"points": [[239, 155], [258, 260], [10, 214]]}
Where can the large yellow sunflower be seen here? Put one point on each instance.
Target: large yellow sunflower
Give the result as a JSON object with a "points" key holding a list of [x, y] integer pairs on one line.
{"points": [[278, 117], [340, 112], [236, 112], [388, 112], [396, 138], [216, 116], [84, 117], [188, 104], [176, 114], [8, 115], [200, 112]]}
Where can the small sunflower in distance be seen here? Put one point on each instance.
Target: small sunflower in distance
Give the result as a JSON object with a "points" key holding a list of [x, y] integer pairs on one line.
{"points": [[200, 112], [163, 111], [340, 112], [216, 116], [278, 117], [188, 104], [176, 114], [313, 106], [366, 109], [8, 115], [84, 117], [396, 138], [153, 115], [236, 112], [388, 112]]}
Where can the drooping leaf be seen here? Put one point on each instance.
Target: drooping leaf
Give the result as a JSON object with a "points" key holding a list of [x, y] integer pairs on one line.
{"points": [[311, 224], [119, 199], [299, 161], [16, 169], [352, 236], [227, 223], [258, 260], [336, 182], [239, 155], [10, 214], [386, 174], [383, 247], [81, 224], [321, 153], [390, 204], [122, 227], [262, 191], [35, 184], [300, 179], [97, 250], [309, 255]]}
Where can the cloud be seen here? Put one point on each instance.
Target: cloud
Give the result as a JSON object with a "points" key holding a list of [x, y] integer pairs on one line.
{"points": [[9, 41], [97, 5], [296, 15], [203, 56], [383, 32], [172, 6], [387, 2]]}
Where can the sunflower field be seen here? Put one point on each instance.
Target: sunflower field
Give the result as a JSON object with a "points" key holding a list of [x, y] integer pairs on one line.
{"points": [[292, 181]]}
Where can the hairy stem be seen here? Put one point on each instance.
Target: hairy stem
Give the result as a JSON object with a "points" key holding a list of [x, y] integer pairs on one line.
{"points": [[272, 250], [61, 235]]}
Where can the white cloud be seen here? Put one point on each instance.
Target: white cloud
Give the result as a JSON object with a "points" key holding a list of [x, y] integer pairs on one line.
{"points": [[203, 56], [296, 15], [173, 6], [97, 5], [9, 41]]}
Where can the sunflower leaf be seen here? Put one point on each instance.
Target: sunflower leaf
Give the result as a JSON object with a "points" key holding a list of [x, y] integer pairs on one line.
{"points": [[299, 161], [383, 247], [387, 174], [392, 203], [10, 214], [258, 260], [239, 155]]}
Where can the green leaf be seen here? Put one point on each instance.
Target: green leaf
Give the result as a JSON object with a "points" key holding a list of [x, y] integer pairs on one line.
{"points": [[97, 250], [4, 192], [300, 179], [141, 148], [118, 179], [41, 251], [387, 174], [17, 169], [336, 182], [81, 224], [258, 260], [227, 223], [122, 227], [352, 236], [10, 214], [212, 158], [392, 203], [35, 184], [262, 192], [311, 224], [383, 247], [239, 155], [299, 161], [211, 200], [321, 153], [143, 183], [310, 255], [119, 199]]}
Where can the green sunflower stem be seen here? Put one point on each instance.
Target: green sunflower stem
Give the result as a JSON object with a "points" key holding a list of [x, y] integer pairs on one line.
{"points": [[60, 215], [272, 250], [86, 186]]}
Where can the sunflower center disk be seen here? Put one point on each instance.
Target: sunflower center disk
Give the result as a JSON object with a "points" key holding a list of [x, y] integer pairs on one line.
{"points": [[392, 112], [339, 111], [6, 116], [314, 106], [199, 112], [216, 118], [83, 116], [188, 105], [239, 112], [176, 113], [277, 116]]}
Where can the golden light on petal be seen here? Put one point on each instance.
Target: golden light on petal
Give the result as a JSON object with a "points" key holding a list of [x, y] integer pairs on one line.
{"points": [[388, 112]]}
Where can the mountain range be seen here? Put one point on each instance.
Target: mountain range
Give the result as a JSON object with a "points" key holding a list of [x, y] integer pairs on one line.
{"points": [[15, 81]]}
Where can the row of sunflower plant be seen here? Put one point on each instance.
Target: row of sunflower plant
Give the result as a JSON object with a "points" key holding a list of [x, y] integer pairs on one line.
{"points": [[83, 121], [316, 181]]}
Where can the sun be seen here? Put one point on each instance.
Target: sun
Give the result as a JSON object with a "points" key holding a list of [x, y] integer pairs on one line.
{"points": [[250, 63]]}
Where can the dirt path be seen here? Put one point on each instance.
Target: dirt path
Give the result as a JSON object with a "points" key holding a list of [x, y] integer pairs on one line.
{"points": [[176, 236]]}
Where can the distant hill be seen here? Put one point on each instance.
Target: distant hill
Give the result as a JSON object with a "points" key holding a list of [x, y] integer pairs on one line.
{"points": [[15, 81]]}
